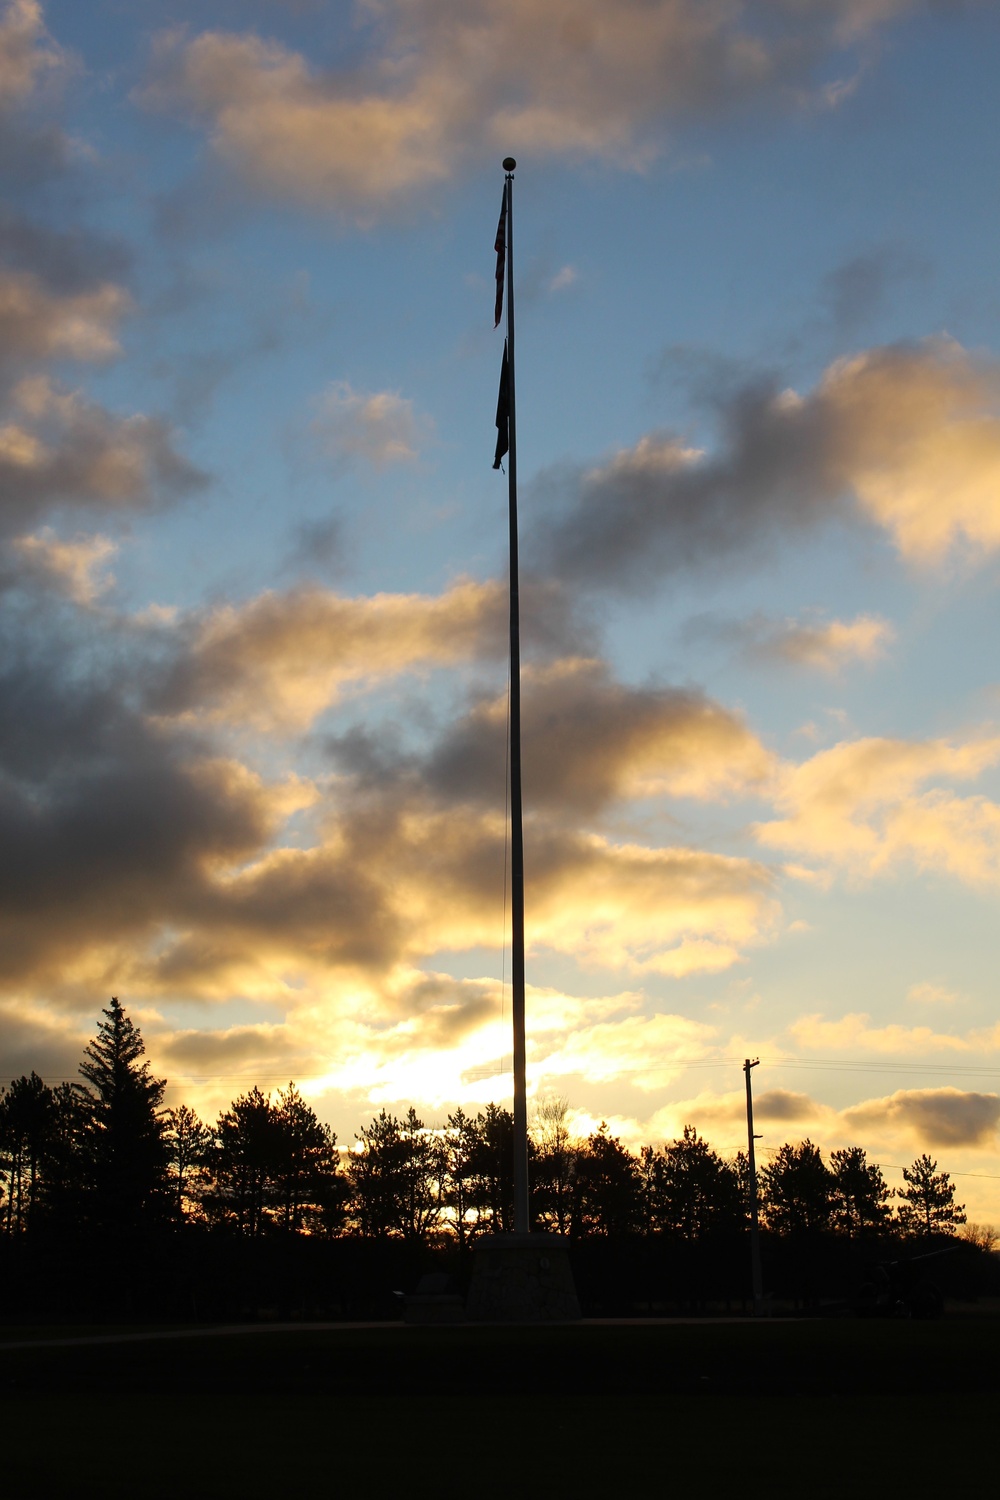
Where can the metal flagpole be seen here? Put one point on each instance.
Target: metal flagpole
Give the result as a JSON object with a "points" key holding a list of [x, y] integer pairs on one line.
{"points": [[758, 1291], [522, 1212]]}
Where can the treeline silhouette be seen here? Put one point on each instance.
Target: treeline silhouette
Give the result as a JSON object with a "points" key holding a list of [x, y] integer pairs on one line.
{"points": [[112, 1205]]}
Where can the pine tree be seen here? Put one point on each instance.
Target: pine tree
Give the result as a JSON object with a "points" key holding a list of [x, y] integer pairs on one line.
{"points": [[27, 1123], [126, 1137], [797, 1189], [860, 1193], [188, 1145], [689, 1190], [927, 1203]]}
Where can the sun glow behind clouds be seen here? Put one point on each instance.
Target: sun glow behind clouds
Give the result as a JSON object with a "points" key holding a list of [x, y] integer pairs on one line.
{"points": [[270, 812]]}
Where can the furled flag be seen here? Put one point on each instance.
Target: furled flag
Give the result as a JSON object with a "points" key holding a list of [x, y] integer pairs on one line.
{"points": [[501, 249], [503, 412]]}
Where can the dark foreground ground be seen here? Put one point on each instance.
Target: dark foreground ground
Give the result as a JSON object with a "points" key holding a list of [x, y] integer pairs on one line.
{"points": [[842, 1408]]}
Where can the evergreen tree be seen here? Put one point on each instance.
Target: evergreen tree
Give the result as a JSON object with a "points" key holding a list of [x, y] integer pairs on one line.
{"points": [[492, 1163], [309, 1190], [126, 1138], [459, 1146], [27, 1128], [927, 1203], [189, 1143], [243, 1160], [860, 1193], [607, 1188], [689, 1190], [397, 1177], [797, 1190]]}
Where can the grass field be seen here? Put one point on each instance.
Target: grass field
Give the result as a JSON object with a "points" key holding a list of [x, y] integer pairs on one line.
{"points": [[807, 1409]]}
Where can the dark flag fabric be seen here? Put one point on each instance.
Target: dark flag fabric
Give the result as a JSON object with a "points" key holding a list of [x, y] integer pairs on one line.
{"points": [[503, 412], [501, 249]]}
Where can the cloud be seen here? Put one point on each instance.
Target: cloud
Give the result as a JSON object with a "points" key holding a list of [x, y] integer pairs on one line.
{"points": [[931, 1117], [444, 83], [859, 805], [37, 324], [826, 645], [648, 1050], [108, 829], [59, 450], [900, 1122], [281, 659], [854, 1032], [926, 993], [380, 427], [66, 262], [78, 566], [783, 1105], [905, 437], [29, 151], [588, 739], [821, 645], [856, 291], [564, 278], [26, 50]]}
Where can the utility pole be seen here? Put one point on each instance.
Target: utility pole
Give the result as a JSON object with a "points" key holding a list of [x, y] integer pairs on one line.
{"points": [[758, 1292]]}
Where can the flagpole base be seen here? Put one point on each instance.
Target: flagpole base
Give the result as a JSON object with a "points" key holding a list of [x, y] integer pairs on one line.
{"points": [[522, 1278]]}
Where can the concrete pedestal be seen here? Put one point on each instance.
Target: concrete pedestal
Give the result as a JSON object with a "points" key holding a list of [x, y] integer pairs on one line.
{"points": [[522, 1278]]}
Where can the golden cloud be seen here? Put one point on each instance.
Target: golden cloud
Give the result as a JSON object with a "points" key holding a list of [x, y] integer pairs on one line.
{"points": [[826, 645], [445, 81], [905, 436], [588, 739], [280, 660], [859, 804], [919, 434]]}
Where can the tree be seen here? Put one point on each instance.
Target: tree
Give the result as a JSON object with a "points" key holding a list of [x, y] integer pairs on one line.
{"points": [[927, 1203], [606, 1188], [242, 1159], [554, 1166], [492, 1169], [275, 1167], [985, 1237], [860, 1193], [308, 1187], [188, 1146], [689, 1190], [127, 1146], [797, 1190], [459, 1146], [398, 1177], [27, 1125]]}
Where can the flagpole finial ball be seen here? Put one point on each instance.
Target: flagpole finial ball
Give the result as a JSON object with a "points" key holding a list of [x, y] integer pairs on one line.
{"points": [[509, 164]]}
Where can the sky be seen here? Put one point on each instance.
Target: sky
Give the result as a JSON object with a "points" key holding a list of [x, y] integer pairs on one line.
{"points": [[253, 557]]}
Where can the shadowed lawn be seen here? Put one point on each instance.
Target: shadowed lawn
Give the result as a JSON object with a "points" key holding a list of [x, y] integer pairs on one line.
{"points": [[837, 1409]]}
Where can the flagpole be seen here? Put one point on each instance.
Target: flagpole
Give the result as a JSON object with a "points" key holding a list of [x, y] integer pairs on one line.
{"points": [[522, 1211]]}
